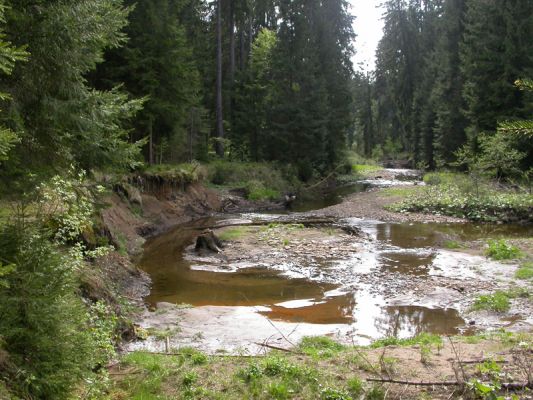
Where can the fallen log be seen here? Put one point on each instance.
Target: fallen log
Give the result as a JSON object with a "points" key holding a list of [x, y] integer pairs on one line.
{"points": [[304, 222]]}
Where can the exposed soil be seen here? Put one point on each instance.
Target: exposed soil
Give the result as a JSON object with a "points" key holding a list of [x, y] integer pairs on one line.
{"points": [[371, 205]]}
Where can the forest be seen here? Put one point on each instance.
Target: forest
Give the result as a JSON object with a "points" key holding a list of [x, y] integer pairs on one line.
{"points": [[257, 96]]}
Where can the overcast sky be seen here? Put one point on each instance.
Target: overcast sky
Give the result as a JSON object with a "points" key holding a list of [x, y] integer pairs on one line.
{"points": [[368, 27]]}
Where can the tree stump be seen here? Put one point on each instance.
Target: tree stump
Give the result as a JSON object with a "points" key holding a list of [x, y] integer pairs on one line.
{"points": [[207, 240]]}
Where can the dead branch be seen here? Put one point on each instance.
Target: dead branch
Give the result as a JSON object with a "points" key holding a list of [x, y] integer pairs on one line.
{"points": [[278, 348], [507, 386]]}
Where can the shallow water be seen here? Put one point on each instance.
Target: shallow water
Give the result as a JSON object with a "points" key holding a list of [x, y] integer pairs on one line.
{"points": [[341, 295], [365, 295]]}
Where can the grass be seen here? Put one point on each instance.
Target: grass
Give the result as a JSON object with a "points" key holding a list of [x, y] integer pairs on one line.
{"points": [[525, 271], [501, 250], [421, 339], [305, 375], [320, 347], [365, 169], [233, 234]]}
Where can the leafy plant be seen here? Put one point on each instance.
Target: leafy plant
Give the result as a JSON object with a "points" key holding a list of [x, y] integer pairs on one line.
{"points": [[498, 302], [501, 250]]}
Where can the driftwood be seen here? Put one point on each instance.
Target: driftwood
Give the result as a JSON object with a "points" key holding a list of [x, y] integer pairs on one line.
{"points": [[207, 240]]}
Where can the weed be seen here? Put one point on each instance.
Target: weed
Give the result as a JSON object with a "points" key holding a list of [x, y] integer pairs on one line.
{"points": [[189, 378], [278, 391], [355, 387], [251, 373], [375, 393], [334, 394], [525, 271], [501, 250], [499, 302], [490, 368], [425, 354]]}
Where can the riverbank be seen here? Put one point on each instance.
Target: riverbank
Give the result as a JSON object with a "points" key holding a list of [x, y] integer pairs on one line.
{"points": [[429, 283], [424, 367]]}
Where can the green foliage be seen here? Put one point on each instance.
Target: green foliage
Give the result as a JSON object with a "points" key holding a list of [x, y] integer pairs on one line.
{"points": [[44, 324], [525, 271], [498, 302], [501, 250], [9, 55]]}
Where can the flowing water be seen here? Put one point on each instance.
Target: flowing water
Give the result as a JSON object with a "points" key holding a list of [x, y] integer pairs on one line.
{"points": [[364, 295]]}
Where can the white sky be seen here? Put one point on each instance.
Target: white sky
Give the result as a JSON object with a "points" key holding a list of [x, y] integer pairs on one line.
{"points": [[368, 27]]}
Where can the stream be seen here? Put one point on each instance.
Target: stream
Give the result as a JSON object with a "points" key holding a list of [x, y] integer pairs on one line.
{"points": [[279, 284]]}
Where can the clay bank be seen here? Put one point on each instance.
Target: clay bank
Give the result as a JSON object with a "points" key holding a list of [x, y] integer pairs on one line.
{"points": [[279, 277]]}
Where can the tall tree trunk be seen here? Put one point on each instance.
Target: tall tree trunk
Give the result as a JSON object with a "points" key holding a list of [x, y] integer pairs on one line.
{"points": [[151, 143], [231, 59], [242, 50], [219, 146]]}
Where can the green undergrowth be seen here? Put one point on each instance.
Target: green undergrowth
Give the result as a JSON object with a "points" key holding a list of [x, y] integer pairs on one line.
{"points": [[459, 195]]}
